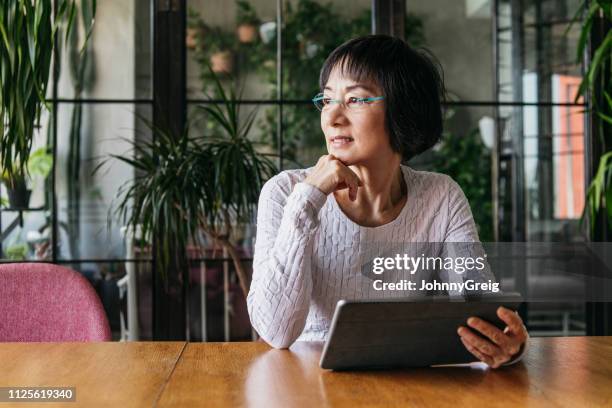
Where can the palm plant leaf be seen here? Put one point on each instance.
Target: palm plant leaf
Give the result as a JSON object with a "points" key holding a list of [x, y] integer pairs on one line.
{"points": [[28, 32], [599, 192]]}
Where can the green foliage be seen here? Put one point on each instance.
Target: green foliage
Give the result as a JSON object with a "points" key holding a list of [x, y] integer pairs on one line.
{"points": [[595, 79], [16, 252], [186, 183], [162, 196], [237, 171], [603, 54], [28, 32], [39, 163], [311, 31], [599, 193], [246, 14], [208, 41], [466, 159]]}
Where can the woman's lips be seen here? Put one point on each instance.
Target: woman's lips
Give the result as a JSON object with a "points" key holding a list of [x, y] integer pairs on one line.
{"points": [[341, 141]]}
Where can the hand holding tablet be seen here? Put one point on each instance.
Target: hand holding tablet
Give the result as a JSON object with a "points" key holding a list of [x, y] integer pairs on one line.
{"points": [[404, 333], [498, 347]]}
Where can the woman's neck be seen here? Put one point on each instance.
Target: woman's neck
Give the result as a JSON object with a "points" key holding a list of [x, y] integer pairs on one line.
{"points": [[382, 191]]}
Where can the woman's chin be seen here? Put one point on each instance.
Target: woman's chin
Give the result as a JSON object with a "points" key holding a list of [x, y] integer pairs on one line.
{"points": [[345, 157], [341, 154]]}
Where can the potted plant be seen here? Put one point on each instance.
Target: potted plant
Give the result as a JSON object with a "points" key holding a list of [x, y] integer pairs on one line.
{"points": [[39, 164], [237, 172], [196, 30], [29, 30], [219, 45], [246, 22], [17, 190], [186, 185]]}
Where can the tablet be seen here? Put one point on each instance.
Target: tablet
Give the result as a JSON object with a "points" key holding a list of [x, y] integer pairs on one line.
{"points": [[367, 334]]}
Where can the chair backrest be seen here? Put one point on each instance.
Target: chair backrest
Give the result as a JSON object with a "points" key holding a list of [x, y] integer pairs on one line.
{"points": [[47, 302]]}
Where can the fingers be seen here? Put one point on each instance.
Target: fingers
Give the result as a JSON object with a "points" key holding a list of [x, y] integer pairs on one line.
{"points": [[488, 352], [330, 174], [347, 178], [483, 345], [514, 322], [478, 354], [353, 183], [515, 329], [494, 334], [499, 346]]}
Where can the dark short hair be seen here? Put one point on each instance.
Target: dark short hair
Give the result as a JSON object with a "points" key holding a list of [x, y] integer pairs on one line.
{"points": [[412, 82]]}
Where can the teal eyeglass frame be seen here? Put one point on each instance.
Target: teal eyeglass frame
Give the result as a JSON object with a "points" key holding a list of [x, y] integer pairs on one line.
{"points": [[318, 97]]}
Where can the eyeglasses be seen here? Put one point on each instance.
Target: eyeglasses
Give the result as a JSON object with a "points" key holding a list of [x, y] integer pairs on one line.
{"points": [[352, 103]]}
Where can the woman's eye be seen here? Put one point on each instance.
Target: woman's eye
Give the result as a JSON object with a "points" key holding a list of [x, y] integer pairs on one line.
{"points": [[325, 101]]}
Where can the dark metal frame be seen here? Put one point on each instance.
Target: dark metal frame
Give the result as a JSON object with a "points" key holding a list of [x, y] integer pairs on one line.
{"points": [[388, 17]]}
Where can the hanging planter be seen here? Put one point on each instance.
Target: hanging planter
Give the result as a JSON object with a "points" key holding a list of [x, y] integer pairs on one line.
{"points": [[267, 31], [18, 194], [247, 22], [191, 35], [39, 164], [247, 33], [222, 62]]}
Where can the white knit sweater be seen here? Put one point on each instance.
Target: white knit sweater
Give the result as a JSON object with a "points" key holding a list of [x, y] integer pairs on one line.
{"points": [[308, 253]]}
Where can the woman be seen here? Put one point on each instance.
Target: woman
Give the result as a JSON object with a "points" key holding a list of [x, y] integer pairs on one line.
{"points": [[380, 105]]}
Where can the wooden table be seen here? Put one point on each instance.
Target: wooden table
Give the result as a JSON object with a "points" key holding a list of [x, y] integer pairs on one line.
{"points": [[563, 372]]}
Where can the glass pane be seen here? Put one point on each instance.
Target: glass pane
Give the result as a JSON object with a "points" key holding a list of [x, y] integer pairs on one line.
{"points": [[263, 128], [465, 154], [25, 222], [554, 173], [303, 139], [85, 198], [237, 42], [117, 63], [536, 49], [28, 235], [313, 29], [458, 33]]}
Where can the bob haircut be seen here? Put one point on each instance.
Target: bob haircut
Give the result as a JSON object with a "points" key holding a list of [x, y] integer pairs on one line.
{"points": [[412, 82]]}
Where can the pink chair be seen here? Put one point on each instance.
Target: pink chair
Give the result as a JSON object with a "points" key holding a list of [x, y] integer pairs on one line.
{"points": [[47, 302]]}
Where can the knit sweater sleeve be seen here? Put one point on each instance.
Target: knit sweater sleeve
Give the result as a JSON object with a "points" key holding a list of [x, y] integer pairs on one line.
{"points": [[281, 288]]}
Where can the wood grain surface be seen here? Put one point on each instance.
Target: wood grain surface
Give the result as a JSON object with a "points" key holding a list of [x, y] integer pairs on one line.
{"points": [[104, 374], [559, 372]]}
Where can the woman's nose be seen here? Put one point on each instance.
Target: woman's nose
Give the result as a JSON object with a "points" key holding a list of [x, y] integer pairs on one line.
{"points": [[335, 115]]}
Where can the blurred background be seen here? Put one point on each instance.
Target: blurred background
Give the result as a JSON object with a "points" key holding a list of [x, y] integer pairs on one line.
{"points": [[519, 138]]}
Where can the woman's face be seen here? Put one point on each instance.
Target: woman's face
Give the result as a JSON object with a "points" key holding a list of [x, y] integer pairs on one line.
{"points": [[354, 136]]}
